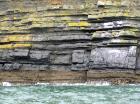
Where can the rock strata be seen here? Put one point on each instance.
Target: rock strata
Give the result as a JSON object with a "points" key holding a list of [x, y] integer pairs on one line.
{"points": [[69, 34]]}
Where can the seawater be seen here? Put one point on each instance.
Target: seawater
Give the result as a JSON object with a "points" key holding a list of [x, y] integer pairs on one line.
{"points": [[70, 94]]}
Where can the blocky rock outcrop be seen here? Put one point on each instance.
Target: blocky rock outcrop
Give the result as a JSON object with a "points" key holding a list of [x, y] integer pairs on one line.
{"points": [[69, 34]]}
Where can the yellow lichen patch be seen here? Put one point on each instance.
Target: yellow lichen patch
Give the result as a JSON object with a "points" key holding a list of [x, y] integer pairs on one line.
{"points": [[4, 24], [11, 46], [79, 24], [12, 38]]}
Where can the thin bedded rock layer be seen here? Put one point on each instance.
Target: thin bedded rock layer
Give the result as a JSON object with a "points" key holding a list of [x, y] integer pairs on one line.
{"points": [[69, 34]]}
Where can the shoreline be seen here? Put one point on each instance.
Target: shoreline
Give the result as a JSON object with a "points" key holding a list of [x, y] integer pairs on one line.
{"points": [[114, 77]]}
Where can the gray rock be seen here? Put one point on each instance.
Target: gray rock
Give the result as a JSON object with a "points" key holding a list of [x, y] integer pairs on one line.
{"points": [[12, 66], [16, 66], [69, 37], [59, 67], [78, 56], [80, 60], [61, 59], [34, 67], [114, 24], [61, 37], [19, 53], [1, 66], [39, 67], [77, 67], [113, 57], [59, 34], [132, 51], [7, 67], [26, 67], [62, 46], [39, 54], [70, 46], [132, 62], [4, 54]]}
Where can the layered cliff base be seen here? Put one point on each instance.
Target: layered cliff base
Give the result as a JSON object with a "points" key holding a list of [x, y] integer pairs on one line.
{"points": [[54, 76], [69, 35]]}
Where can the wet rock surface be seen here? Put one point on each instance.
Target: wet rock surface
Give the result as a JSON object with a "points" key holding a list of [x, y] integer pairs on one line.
{"points": [[69, 34]]}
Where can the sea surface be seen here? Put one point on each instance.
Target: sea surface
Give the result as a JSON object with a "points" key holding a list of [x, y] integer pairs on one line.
{"points": [[70, 94]]}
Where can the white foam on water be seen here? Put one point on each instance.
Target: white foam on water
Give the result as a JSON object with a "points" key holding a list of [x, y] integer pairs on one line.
{"points": [[6, 84], [95, 83], [134, 84], [38, 83], [101, 83], [91, 83]]}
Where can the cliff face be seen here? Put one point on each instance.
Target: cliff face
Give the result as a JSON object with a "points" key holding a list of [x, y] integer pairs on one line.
{"points": [[69, 34]]}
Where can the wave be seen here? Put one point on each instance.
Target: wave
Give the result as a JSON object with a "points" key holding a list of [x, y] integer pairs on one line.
{"points": [[92, 83], [98, 83], [95, 83]]}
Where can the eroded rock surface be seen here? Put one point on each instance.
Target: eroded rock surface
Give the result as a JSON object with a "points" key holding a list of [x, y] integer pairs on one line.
{"points": [[69, 34], [124, 57]]}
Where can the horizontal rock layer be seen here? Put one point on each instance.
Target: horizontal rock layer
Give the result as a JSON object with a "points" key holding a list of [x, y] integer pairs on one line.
{"points": [[69, 34], [92, 77]]}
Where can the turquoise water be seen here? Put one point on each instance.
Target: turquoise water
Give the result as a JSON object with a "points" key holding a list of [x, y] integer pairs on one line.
{"points": [[45, 94]]}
